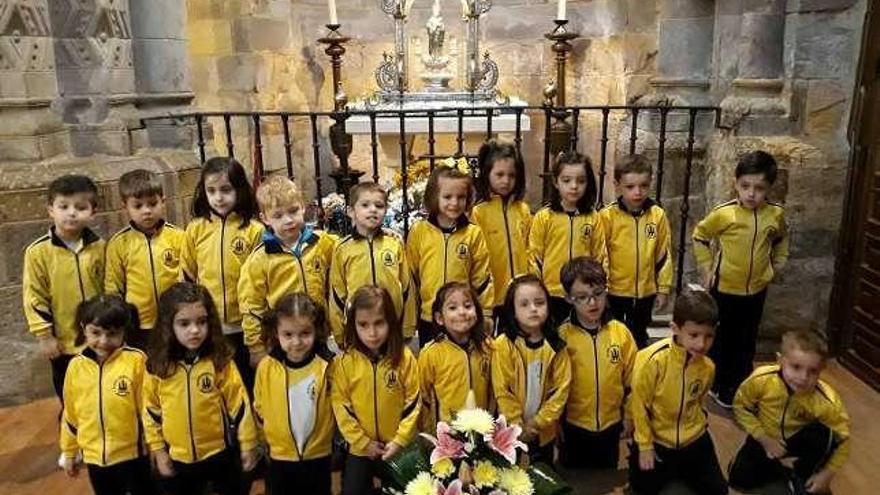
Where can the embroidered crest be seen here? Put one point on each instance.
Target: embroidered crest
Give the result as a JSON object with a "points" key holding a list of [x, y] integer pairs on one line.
{"points": [[614, 354], [122, 386], [205, 382], [695, 388], [170, 258], [587, 230], [462, 250], [391, 381], [651, 230], [239, 246], [387, 257]]}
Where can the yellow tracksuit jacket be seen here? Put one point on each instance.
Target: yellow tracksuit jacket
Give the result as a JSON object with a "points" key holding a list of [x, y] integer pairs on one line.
{"points": [[55, 280], [764, 405], [373, 401], [141, 267], [102, 406], [444, 383], [280, 388], [438, 257], [669, 386], [505, 225], [601, 371], [752, 246], [382, 261], [510, 372], [212, 255], [273, 271], [556, 237], [191, 410], [639, 250]]}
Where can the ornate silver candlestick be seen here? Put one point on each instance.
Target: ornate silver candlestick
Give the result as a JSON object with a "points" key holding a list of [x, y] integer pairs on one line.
{"points": [[393, 73]]}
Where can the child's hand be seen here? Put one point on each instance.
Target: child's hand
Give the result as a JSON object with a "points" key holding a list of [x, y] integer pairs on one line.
{"points": [[530, 429], [375, 450], [646, 460], [820, 482], [249, 459], [773, 447], [71, 467], [256, 357], [661, 302], [50, 348], [162, 462], [391, 450], [627, 429]]}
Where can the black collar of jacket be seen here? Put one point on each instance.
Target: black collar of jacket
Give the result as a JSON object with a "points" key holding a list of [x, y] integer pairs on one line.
{"points": [[604, 320], [358, 236], [279, 355], [274, 246], [460, 223], [159, 226], [88, 237], [646, 205], [444, 334], [556, 206]]}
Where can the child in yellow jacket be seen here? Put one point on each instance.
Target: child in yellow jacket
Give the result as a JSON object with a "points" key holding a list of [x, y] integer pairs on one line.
{"points": [[502, 213], [103, 399], [531, 369], [671, 379], [62, 269], [194, 398], [292, 257], [602, 352], [447, 247], [637, 236], [292, 396], [788, 411], [143, 259], [566, 228], [375, 388], [218, 240], [371, 255], [752, 247]]}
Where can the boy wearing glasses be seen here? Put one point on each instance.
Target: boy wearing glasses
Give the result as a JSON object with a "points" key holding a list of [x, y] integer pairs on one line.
{"points": [[602, 352]]}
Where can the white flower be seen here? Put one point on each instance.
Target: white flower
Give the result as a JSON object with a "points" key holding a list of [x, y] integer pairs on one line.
{"points": [[423, 484], [473, 420]]}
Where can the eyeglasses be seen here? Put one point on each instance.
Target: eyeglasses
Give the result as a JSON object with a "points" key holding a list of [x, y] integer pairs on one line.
{"points": [[580, 299]]}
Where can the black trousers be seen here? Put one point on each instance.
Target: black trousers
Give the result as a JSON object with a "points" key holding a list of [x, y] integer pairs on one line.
{"points": [[559, 309], [357, 478], [696, 465], [311, 476], [734, 349], [538, 453], [59, 370], [242, 360], [125, 477], [811, 446], [584, 448], [635, 314], [221, 471]]}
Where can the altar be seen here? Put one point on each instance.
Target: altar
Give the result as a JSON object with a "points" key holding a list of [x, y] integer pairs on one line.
{"points": [[444, 122]]}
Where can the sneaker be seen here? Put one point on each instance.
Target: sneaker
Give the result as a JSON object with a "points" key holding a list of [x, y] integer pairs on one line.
{"points": [[721, 401]]}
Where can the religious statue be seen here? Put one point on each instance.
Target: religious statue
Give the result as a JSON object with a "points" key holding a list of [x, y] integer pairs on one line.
{"points": [[436, 77], [436, 32]]}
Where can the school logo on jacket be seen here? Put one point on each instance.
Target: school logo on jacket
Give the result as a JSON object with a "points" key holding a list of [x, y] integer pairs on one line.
{"points": [[694, 389], [391, 380], [239, 246], [170, 258], [651, 231], [205, 382], [462, 250], [387, 258], [587, 230], [771, 232], [614, 354], [122, 386], [317, 265]]}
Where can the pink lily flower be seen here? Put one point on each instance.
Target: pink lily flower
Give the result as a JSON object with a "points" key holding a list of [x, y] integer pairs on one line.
{"points": [[445, 445], [505, 439], [454, 488]]}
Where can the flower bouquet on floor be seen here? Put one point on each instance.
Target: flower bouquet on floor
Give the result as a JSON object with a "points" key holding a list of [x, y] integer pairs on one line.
{"points": [[474, 454]]}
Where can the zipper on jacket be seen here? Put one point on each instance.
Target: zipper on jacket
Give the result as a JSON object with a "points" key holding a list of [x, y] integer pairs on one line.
{"points": [[287, 403], [509, 244], [375, 401], [82, 289], [152, 270], [302, 272], [192, 437], [752, 252], [570, 236], [636, 219], [596, 362], [372, 260], [445, 253], [101, 413], [223, 267], [681, 404]]}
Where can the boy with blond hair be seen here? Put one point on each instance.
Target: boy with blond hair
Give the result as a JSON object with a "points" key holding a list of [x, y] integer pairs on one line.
{"points": [[292, 257], [143, 259]]}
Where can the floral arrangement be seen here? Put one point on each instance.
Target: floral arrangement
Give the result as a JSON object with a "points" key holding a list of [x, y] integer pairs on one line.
{"points": [[474, 455]]}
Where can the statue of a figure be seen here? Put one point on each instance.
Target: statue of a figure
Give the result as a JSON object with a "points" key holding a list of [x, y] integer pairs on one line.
{"points": [[436, 32]]}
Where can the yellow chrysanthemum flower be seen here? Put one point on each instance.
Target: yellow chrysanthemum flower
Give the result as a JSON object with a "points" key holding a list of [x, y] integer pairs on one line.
{"points": [[515, 481], [485, 474], [476, 420], [423, 484], [443, 468]]}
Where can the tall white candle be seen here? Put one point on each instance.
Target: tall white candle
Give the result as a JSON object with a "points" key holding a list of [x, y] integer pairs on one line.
{"points": [[465, 8], [560, 10], [332, 6]]}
